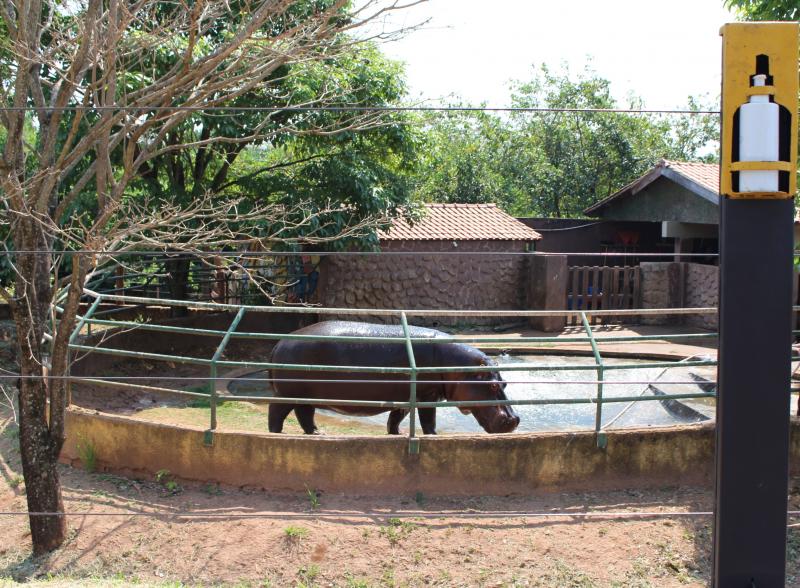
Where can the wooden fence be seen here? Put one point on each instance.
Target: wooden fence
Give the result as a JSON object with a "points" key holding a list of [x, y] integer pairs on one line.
{"points": [[603, 288]]}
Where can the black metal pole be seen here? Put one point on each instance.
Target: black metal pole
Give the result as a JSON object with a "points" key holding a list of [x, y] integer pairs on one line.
{"points": [[752, 431]]}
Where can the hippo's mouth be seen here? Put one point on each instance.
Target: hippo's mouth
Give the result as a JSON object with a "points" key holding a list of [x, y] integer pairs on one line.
{"points": [[499, 422]]}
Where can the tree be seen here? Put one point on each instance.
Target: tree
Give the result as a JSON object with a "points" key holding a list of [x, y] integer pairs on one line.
{"points": [[553, 162], [360, 169], [765, 9], [107, 87]]}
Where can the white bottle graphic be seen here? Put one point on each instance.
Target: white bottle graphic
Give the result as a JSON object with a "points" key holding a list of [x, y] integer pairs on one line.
{"points": [[759, 132]]}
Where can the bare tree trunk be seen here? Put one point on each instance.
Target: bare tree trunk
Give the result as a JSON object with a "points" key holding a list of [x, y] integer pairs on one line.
{"points": [[41, 423], [39, 447], [39, 460]]}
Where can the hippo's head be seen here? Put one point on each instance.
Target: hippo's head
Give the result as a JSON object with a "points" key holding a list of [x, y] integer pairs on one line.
{"points": [[488, 385]]}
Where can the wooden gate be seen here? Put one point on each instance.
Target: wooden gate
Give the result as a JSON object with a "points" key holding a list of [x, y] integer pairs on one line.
{"points": [[602, 288]]}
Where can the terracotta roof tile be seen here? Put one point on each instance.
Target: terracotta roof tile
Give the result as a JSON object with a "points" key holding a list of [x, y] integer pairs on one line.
{"points": [[461, 222], [705, 174]]}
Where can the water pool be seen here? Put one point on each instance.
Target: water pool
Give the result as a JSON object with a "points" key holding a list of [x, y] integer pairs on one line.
{"points": [[555, 383]]}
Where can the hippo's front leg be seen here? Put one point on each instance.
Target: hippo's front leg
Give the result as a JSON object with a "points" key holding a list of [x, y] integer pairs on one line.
{"points": [[427, 419], [395, 417]]}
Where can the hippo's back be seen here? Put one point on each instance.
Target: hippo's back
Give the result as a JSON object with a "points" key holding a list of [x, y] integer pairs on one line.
{"points": [[369, 353], [358, 329]]}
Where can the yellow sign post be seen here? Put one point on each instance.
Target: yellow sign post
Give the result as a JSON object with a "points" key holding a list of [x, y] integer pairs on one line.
{"points": [[759, 104], [758, 167]]}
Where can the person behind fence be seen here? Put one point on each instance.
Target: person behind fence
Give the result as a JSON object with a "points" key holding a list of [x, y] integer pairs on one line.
{"points": [[307, 277]]}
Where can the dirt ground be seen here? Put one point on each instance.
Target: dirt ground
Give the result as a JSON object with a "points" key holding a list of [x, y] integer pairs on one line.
{"points": [[320, 540], [252, 537]]}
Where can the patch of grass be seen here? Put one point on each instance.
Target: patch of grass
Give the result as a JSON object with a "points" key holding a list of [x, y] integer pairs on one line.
{"points": [[388, 579], [306, 576], [165, 479], [397, 530], [212, 489], [11, 432], [566, 576], [16, 481], [313, 498], [87, 453], [353, 582], [245, 416], [294, 534]]}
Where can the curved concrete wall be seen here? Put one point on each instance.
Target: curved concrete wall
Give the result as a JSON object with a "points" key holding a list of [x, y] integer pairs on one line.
{"points": [[455, 465]]}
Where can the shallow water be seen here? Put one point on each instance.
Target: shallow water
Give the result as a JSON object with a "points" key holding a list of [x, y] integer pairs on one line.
{"points": [[565, 384]]}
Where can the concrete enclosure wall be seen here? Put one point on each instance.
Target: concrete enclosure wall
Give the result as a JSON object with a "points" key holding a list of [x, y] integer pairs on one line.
{"points": [[425, 280], [547, 290], [465, 465]]}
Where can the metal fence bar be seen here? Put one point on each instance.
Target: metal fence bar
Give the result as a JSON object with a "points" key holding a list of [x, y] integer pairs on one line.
{"points": [[412, 371], [413, 442], [72, 336], [418, 340], [84, 319], [598, 419], [374, 369], [214, 359], [409, 312]]}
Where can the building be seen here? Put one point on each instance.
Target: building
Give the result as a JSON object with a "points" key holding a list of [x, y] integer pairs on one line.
{"points": [[456, 257], [682, 198]]}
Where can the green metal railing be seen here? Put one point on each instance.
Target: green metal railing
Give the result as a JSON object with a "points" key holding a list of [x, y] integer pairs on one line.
{"points": [[409, 374]]}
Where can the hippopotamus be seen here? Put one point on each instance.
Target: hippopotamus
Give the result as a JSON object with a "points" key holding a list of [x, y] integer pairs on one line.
{"points": [[452, 386]]}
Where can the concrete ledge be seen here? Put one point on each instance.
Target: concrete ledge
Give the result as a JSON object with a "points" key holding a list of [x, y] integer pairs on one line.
{"points": [[454, 465]]}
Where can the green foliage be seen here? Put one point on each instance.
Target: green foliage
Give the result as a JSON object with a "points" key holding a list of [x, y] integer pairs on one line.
{"points": [[553, 163], [307, 575], [294, 534], [396, 530], [313, 498], [164, 477], [287, 158], [765, 9], [87, 454]]}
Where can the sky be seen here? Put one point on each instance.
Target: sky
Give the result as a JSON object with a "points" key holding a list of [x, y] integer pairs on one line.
{"points": [[661, 51]]}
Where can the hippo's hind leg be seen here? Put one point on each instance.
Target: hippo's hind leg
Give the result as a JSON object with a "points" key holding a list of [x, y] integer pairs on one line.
{"points": [[395, 418], [427, 419], [278, 414], [305, 416]]}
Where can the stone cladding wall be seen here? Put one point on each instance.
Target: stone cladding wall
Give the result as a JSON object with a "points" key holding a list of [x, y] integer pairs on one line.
{"points": [[702, 290], [426, 279], [655, 282], [675, 285]]}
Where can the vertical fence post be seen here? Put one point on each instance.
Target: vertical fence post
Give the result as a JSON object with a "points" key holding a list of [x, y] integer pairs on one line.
{"points": [[212, 396], [413, 441], [598, 419], [74, 335]]}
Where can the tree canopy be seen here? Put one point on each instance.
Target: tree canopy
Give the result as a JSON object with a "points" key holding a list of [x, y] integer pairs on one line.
{"points": [[104, 98], [554, 163], [765, 9]]}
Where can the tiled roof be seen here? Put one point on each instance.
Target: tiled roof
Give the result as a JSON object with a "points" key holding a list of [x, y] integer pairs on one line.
{"points": [[700, 178], [461, 222], [705, 174]]}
